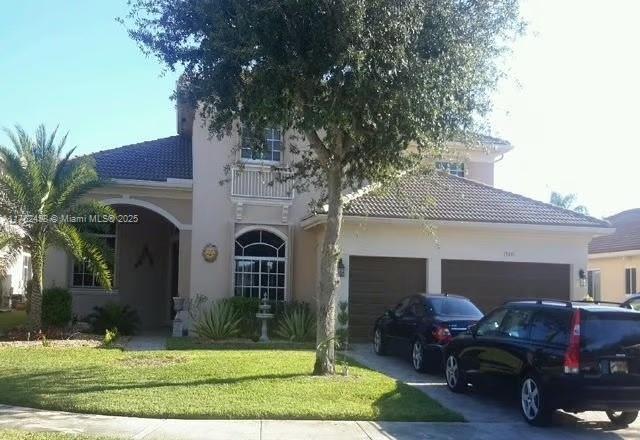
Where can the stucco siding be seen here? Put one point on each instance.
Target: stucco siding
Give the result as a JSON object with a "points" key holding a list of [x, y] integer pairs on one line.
{"points": [[612, 275]]}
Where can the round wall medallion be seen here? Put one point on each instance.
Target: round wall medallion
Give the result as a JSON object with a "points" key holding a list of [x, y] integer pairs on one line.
{"points": [[210, 253]]}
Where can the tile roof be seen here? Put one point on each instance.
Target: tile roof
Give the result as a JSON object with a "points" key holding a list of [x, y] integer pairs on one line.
{"points": [[155, 160], [441, 196], [625, 238]]}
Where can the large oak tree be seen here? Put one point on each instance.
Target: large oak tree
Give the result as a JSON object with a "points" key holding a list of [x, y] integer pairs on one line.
{"points": [[359, 79]]}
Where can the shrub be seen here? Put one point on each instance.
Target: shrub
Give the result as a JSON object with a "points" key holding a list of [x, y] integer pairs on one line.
{"points": [[110, 337], [297, 324], [247, 309], [342, 332], [220, 321], [56, 307], [114, 315]]}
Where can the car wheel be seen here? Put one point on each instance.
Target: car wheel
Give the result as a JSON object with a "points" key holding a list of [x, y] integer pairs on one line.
{"points": [[456, 380], [532, 402], [417, 356], [622, 418], [378, 342]]}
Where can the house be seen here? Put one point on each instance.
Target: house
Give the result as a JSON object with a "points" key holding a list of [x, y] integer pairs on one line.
{"points": [[615, 258], [189, 225]]}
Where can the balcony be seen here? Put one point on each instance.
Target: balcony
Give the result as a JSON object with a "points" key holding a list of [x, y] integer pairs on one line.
{"points": [[262, 183]]}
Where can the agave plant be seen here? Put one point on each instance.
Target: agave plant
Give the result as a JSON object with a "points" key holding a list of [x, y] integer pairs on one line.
{"points": [[297, 324], [219, 321], [40, 186]]}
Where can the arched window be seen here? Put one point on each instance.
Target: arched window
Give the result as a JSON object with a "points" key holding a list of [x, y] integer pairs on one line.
{"points": [[260, 265]]}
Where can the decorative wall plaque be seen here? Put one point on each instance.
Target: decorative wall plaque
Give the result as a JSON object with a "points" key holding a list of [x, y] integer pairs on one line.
{"points": [[210, 253]]}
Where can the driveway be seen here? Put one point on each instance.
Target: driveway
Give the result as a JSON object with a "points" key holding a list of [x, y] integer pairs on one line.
{"points": [[495, 417]]}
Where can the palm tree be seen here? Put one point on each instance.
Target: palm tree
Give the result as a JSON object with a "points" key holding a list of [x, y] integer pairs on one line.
{"points": [[42, 191], [567, 202]]}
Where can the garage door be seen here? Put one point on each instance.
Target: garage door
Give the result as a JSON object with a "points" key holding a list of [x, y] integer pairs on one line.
{"points": [[377, 284], [489, 283]]}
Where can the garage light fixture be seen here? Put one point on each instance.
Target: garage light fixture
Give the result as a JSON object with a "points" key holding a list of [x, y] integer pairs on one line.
{"points": [[340, 268]]}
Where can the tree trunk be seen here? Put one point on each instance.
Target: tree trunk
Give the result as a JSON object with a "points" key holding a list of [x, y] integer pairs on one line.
{"points": [[35, 295], [326, 327]]}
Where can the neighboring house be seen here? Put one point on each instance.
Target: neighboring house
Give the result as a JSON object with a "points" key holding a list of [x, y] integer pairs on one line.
{"points": [[15, 281], [450, 231], [615, 259]]}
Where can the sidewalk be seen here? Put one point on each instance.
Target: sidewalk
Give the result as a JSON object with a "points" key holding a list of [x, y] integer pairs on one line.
{"points": [[172, 429]]}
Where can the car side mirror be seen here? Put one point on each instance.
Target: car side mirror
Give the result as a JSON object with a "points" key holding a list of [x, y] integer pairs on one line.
{"points": [[472, 329], [389, 313]]}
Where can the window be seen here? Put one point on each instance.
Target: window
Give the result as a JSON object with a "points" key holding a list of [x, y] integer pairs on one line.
{"points": [[491, 323], [26, 269], [454, 168], [551, 327], [454, 307], [630, 280], [260, 265], [82, 275], [269, 151], [516, 323], [417, 307], [402, 307], [593, 284]]}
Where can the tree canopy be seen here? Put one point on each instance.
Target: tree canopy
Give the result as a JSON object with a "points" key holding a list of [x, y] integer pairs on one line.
{"points": [[358, 80]]}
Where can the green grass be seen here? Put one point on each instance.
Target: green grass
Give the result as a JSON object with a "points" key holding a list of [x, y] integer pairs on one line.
{"points": [[199, 344], [9, 320], [220, 384], [23, 435]]}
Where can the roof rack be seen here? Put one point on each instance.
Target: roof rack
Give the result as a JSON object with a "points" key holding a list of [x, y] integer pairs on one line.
{"points": [[549, 301], [582, 301]]}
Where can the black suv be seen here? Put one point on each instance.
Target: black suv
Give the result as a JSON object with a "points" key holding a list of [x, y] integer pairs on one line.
{"points": [[557, 355], [421, 325]]}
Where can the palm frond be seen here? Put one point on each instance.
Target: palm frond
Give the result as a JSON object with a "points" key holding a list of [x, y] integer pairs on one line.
{"points": [[100, 259], [10, 249]]}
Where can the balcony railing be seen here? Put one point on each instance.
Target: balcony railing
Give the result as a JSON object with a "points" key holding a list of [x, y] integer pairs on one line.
{"points": [[262, 183]]}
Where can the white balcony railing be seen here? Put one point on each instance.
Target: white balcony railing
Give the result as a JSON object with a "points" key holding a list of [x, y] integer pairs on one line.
{"points": [[262, 183]]}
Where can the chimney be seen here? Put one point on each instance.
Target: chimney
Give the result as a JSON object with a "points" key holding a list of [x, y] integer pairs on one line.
{"points": [[185, 108]]}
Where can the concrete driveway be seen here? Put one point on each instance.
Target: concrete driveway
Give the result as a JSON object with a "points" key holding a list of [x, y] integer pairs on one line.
{"points": [[494, 417]]}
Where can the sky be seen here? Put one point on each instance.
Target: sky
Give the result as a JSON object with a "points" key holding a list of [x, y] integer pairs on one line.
{"points": [[569, 106]]}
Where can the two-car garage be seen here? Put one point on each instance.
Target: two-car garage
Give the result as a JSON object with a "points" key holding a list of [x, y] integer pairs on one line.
{"points": [[378, 283]]}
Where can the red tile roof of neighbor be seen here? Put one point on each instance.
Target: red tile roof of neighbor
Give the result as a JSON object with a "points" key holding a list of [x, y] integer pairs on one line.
{"points": [[625, 238], [433, 196]]}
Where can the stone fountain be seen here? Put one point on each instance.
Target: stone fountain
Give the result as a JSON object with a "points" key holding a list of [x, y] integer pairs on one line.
{"points": [[264, 315]]}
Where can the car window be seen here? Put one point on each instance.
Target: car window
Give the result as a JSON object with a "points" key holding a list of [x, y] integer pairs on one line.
{"points": [[490, 325], [417, 307], [635, 304], [401, 308], [516, 323], [551, 327], [450, 306]]}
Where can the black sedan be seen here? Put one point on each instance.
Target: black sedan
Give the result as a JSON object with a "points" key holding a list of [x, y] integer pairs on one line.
{"points": [[421, 325], [632, 303]]}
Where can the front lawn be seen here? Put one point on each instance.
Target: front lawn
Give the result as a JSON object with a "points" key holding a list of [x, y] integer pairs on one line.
{"points": [[222, 384], [12, 319]]}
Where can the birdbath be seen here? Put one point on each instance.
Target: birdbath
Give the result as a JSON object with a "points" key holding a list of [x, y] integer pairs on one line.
{"points": [[264, 316]]}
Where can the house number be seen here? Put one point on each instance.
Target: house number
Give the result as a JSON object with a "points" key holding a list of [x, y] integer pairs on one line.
{"points": [[509, 254]]}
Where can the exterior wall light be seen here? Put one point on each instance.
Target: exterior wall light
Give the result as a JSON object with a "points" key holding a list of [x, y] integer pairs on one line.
{"points": [[340, 268]]}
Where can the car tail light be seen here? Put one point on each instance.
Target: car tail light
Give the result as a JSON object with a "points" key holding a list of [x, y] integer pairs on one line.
{"points": [[572, 356], [441, 334]]}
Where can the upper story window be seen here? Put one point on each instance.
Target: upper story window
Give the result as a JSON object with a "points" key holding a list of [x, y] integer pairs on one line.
{"points": [[454, 168], [271, 150]]}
